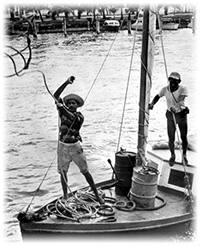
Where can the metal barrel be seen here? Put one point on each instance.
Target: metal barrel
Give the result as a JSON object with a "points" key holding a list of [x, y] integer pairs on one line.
{"points": [[124, 163], [144, 188]]}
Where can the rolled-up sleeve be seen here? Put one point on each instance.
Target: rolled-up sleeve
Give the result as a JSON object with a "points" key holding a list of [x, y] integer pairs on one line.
{"points": [[162, 92], [184, 92]]}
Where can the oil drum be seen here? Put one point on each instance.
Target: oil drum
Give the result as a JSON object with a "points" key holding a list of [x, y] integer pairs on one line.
{"points": [[124, 163], [144, 187]]}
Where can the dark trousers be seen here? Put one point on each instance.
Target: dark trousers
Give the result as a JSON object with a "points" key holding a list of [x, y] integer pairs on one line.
{"points": [[181, 121]]}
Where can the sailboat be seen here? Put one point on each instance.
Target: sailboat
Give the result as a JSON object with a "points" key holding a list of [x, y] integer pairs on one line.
{"points": [[144, 194]]}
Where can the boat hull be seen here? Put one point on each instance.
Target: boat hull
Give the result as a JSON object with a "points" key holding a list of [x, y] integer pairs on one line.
{"points": [[154, 235], [112, 28], [169, 26], [111, 25], [138, 27], [106, 227], [164, 26], [175, 212]]}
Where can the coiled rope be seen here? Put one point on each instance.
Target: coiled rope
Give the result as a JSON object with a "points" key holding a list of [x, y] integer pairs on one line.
{"points": [[83, 205]]}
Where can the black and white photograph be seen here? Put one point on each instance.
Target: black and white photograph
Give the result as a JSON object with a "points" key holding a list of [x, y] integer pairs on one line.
{"points": [[100, 122]]}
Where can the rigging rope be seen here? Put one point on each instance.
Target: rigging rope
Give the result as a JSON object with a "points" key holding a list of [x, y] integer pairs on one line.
{"points": [[186, 178], [100, 68], [128, 82], [126, 92], [162, 44], [40, 185]]}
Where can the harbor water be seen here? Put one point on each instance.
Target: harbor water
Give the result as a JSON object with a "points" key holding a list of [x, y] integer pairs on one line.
{"points": [[30, 115]]}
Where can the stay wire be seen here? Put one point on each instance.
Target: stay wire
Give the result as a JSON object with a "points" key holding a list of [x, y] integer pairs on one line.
{"points": [[162, 44], [127, 86], [36, 191], [100, 68]]}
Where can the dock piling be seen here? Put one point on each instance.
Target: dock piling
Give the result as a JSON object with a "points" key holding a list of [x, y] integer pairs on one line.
{"points": [[98, 27], [65, 27], [129, 26]]}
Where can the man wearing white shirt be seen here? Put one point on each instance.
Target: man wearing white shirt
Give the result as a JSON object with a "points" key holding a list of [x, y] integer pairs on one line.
{"points": [[176, 113]]}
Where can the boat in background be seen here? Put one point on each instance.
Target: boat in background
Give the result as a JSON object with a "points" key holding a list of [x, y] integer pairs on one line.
{"points": [[138, 25], [111, 25], [183, 18], [167, 24]]}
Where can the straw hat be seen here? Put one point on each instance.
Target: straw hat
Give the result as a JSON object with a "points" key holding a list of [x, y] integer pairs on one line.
{"points": [[75, 97]]}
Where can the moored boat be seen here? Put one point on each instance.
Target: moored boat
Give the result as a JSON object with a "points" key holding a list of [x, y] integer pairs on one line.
{"points": [[138, 25], [111, 25], [169, 26]]}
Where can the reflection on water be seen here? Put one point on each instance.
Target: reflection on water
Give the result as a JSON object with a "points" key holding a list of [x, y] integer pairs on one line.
{"points": [[31, 117]]}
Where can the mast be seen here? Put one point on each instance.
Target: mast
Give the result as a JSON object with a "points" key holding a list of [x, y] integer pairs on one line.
{"points": [[147, 57]]}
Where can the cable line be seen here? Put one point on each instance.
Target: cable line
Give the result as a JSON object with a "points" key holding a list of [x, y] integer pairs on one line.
{"points": [[100, 68], [127, 86]]}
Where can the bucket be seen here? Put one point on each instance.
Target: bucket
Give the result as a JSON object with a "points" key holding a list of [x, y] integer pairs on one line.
{"points": [[144, 187], [124, 163]]}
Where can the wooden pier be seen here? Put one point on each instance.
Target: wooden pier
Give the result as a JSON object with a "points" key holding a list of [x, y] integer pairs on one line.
{"points": [[62, 25], [48, 26]]}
